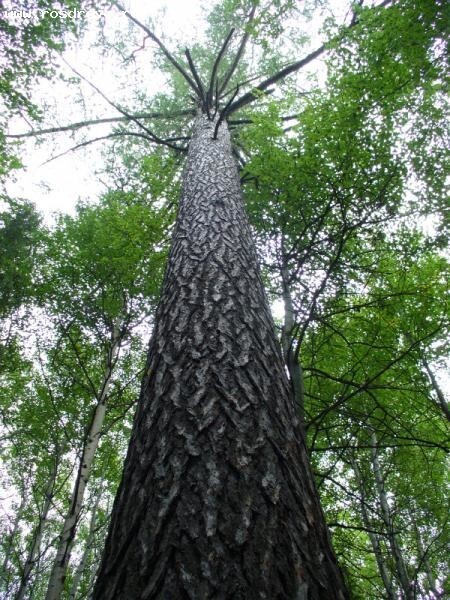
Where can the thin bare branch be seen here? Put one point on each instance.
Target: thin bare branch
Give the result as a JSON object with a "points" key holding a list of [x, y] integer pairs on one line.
{"points": [[239, 53], [216, 65], [141, 47], [130, 117], [97, 139], [194, 72], [165, 51], [101, 121]]}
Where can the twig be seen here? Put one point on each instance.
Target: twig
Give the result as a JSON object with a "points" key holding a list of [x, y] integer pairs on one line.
{"points": [[141, 47], [166, 53]]}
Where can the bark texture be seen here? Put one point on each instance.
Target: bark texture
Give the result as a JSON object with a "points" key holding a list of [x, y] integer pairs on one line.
{"points": [[217, 499]]}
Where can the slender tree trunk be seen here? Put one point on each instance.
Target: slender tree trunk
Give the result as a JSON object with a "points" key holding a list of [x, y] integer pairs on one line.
{"points": [[402, 571], [81, 568], [287, 341], [436, 388], [423, 560], [7, 571], [373, 537], [217, 499], [60, 564], [35, 547]]}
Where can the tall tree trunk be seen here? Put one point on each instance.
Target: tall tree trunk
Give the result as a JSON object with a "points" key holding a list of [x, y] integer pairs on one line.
{"points": [[400, 565], [423, 560], [35, 546], [60, 564], [217, 499]]}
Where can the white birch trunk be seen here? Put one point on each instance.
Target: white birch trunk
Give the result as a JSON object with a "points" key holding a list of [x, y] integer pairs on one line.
{"points": [[402, 571], [6, 572], [34, 552], [374, 538], [287, 340], [59, 569]]}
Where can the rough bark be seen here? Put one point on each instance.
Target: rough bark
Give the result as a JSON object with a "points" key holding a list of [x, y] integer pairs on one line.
{"points": [[217, 499], [60, 564]]}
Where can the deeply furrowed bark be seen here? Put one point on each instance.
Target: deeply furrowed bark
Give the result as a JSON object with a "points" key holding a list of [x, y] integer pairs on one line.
{"points": [[217, 499]]}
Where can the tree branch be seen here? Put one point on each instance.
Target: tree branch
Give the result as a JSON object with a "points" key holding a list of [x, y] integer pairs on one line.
{"points": [[292, 68], [106, 137], [358, 528], [364, 386], [239, 53], [201, 90], [166, 53], [216, 66], [255, 92], [101, 121], [130, 117]]}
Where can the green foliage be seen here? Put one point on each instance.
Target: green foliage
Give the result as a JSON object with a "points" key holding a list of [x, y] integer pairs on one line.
{"points": [[106, 260], [30, 34], [336, 194], [19, 243], [99, 275]]}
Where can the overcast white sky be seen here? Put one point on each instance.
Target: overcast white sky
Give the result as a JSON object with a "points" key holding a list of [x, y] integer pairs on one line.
{"points": [[57, 185]]}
